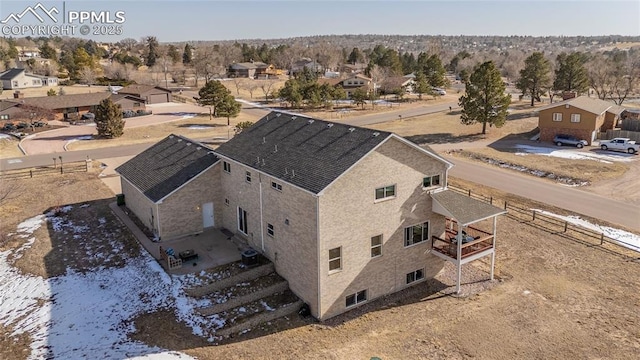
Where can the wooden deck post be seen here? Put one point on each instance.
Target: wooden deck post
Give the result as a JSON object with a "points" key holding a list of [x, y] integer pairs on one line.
{"points": [[459, 258], [493, 254]]}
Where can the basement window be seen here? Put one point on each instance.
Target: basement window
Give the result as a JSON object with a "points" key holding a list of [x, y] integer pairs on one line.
{"points": [[357, 298]]}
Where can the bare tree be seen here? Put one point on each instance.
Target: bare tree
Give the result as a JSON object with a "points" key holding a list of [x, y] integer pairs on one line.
{"points": [[238, 83], [251, 86], [88, 75], [266, 86], [166, 63], [10, 189], [600, 76]]}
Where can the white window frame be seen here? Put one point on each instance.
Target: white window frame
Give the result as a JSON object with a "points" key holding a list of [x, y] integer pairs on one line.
{"points": [[415, 276], [384, 193], [243, 227], [270, 230], [557, 118], [376, 247], [276, 186], [431, 178], [226, 167], [247, 177], [358, 298], [408, 234], [337, 258], [575, 118]]}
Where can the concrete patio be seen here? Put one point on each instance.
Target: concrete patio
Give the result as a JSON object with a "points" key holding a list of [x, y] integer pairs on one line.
{"points": [[213, 247]]}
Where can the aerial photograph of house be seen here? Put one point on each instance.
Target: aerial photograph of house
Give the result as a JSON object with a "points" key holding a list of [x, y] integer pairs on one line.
{"points": [[381, 180]]}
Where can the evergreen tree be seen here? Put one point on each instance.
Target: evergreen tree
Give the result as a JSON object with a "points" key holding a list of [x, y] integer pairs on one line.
{"points": [[535, 78], [173, 54], [359, 97], [435, 71], [291, 93], [186, 54], [355, 56], [47, 52], [109, 122], [421, 86], [485, 100], [571, 74], [152, 51], [228, 107], [213, 94]]}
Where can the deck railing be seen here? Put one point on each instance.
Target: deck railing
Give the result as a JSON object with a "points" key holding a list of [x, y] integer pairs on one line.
{"points": [[474, 241]]}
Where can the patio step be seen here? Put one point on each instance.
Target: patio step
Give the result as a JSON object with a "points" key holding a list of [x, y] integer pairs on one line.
{"points": [[230, 280], [243, 318], [244, 293]]}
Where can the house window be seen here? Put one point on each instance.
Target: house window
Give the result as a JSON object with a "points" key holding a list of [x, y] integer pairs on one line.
{"points": [[248, 176], [430, 181], [242, 221], [386, 192], [276, 186], [357, 298], [15, 83], [575, 118], [416, 234], [335, 259], [270, 230], [136, 104], [415, 276], [557, 116], [226, 201], [4, 117], [376, 246], [226, 166]]}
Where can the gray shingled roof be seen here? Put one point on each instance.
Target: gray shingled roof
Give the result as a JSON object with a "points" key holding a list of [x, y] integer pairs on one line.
{"points": [[10, 74], [64, 101], [310, 153], [139, 89], [592, 105], [166, 166], [465, 209]]}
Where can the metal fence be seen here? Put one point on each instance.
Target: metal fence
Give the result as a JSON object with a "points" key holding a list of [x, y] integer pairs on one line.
{"points": [[67, 168], [520, 212]]}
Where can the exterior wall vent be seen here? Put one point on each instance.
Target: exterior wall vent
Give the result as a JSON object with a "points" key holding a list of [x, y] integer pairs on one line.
{"points": [[329, 125], [376, 134], [352, 129]]}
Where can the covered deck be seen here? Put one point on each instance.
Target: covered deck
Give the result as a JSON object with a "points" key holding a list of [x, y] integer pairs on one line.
{"points": [[462, 243]]}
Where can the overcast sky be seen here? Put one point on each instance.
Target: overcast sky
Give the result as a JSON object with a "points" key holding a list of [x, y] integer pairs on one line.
{"points": [[230, 20]]}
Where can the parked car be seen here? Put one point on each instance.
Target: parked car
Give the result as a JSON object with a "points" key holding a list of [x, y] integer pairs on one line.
{"points": [[22, 125], [88, 116], [620, 144], [39, 124], [438, 91], [128, 113], [562, 139], [9, 127]]}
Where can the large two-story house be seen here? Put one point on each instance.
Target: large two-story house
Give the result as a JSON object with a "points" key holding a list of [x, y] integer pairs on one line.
{"points": [[346, 214]]}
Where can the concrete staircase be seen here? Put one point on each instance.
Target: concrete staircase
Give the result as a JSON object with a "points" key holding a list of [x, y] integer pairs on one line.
{"points": [[247, 299]]}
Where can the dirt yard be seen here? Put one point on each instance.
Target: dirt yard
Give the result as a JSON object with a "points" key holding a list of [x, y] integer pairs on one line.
{"points": [[42, 91], [554, 298]]}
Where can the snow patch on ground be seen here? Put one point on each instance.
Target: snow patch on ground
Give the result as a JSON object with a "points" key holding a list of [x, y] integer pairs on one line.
{"points": [[80, 138], [199, 127], [88, 315], [624, 238], [5, 137], [605, 157]]}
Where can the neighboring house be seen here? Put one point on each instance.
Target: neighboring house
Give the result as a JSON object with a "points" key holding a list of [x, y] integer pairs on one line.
{"points": [[19, 79], [24, 61], [582, 117], [253, 70], [352, 69], [358, 81], [307, 63], [149, 93], [346, 214], [9, 110], [30, 52], [172, 187], [71, 107], [392, 85]]}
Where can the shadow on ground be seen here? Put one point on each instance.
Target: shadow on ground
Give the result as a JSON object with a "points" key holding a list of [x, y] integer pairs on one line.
{"points": [[444, 138]]}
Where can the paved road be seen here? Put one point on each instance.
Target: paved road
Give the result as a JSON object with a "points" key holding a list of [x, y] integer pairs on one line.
{"points": [[572, 199]]}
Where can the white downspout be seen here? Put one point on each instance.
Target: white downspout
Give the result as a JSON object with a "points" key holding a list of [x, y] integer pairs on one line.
{"points": [[493, 254], [459, 258], [158, 221], [318, 267], [261, 220]]}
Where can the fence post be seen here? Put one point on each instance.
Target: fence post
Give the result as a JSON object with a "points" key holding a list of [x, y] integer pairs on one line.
{"points": [[469, 192], [505, 204], [31, 173], [601, 238], [491, 200], [60, 169], [534, 215], [565, 226]]}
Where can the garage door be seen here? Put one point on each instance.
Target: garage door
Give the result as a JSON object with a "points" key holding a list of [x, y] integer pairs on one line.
{"points": [[158, 98]]}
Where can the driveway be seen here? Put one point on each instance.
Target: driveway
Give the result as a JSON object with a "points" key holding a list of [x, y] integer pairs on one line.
{"points": [[55, 140]]}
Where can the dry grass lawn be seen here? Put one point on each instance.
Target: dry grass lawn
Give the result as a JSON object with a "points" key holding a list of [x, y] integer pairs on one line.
{"points": [[587, 170], [557, 297], [75, 89], [445, 127], [216, 128], [9, 148]]}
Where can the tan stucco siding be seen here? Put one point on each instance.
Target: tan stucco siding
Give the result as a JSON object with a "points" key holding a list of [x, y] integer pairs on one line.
{"points": [[141, 206], [583, 129], [291, 211], [350, 216], [181, 212]]}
